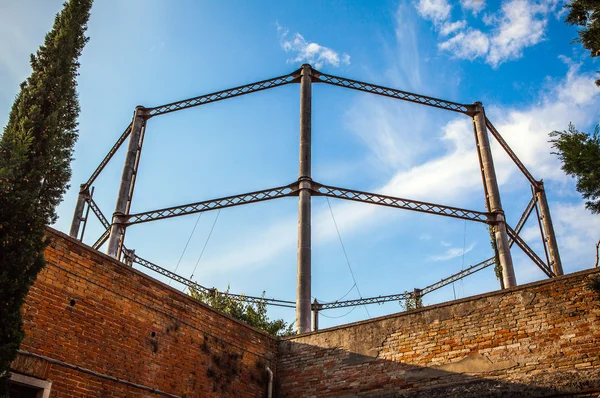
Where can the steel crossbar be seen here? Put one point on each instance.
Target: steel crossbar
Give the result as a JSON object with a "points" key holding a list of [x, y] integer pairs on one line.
{"points": [[391, 92], [224, 94], [213, 204], [196, 286], [527, 250], [407, 204], [107, 158], [363, 301]]}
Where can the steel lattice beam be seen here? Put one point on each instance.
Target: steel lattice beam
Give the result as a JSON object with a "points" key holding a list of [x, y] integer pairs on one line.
{"points": [[391, 92], [102, 239], [363, 301], [191, 284], [407, 204], [213, 204], [221, 95], [527, 250], [107, 158]]}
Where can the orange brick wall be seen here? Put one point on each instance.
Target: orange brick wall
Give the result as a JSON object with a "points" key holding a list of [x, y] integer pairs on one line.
{"points": [[541, 339], [87, 310]]}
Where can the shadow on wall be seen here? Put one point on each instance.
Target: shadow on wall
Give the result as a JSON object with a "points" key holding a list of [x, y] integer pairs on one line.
{"points": [[335, 372]]}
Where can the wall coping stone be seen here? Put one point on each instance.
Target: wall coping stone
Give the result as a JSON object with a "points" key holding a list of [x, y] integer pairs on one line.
{"points": [[433, 307]]}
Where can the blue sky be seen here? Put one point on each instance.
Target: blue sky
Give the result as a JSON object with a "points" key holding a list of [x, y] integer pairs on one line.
{"points": [[513, 55]]}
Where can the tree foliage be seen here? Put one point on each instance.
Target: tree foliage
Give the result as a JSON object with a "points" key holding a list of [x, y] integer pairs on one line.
{"points": [[35, 152], [254, 314], [586, 14], [580, 156]]}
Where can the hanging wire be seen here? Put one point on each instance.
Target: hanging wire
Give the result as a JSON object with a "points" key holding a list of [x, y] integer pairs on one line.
{"points": [[186, 245], [205, 244], [346, 254], [341, 316], [329, 302]]}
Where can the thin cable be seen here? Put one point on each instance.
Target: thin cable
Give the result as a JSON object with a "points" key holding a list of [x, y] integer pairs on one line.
{"points": [[336, 317], [346, 254], [186, 245], [329, 302], [205, 243]]}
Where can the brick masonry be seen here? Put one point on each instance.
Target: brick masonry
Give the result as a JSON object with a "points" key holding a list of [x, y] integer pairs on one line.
{"points": [[97, 328], [90, 311], [540, 339]]}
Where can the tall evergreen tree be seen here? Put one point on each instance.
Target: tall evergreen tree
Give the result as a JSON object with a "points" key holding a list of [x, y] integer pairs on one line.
{"points": [[35, 152]]}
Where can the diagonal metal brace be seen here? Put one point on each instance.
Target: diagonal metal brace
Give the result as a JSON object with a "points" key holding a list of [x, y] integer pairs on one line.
{"points": [[221, 95], [107, 158], [103, 220], [407, 204], [527, 250], [510, 152], [391, 92], [213, 204]]}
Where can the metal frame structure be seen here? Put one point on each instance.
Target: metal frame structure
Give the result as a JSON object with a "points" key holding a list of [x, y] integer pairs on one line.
{"points": [[305, 188]]}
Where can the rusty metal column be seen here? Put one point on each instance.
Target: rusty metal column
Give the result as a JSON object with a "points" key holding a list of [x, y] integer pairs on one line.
{"points": [[303, 284], [315, 315], [491, 187], [555, 262], [117, 231], [78, 214]]}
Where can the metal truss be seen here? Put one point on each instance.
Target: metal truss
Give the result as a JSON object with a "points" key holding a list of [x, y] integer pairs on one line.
{"points": [[221, 95], [510, 152], [196, 286], [391, 92], [527, 250], [107, 158], [390, 201], [214, 204], [435, 286]]}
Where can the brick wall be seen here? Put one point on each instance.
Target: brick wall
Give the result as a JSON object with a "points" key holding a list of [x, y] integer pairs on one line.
{"points": [[541, 339], [96, 327]]}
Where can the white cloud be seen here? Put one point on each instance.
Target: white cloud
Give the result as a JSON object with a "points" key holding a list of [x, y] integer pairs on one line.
{"points": [[452, 253], [312, 53], [435, 10], [517, 25], [474, 6], [451, 27], [470, 45], [522, 24]]}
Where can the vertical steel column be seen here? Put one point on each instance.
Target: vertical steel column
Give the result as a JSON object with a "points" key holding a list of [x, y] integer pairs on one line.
{"points": [[493, 193], [78, 214], [555, 262], [117, 231], [303, 285], [315, 315]]}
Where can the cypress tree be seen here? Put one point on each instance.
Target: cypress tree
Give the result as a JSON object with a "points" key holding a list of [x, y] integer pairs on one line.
{"points": [[35, 152]]}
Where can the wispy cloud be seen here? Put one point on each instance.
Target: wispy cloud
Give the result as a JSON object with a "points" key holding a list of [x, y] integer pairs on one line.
{"points": [[309, 52], [451, 253], [519, 24], [474, 6]]}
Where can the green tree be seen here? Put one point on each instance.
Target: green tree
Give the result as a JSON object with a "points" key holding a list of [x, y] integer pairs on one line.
{"points": [[254, 314], [35, 152], [580, 156], [586, 14]]}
